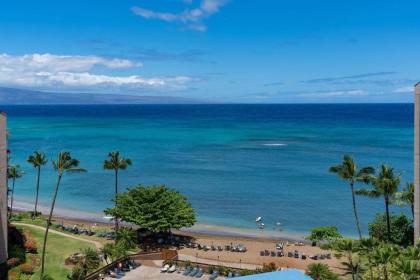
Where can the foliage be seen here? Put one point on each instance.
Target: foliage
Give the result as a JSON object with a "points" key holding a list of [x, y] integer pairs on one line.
{"points": [[127, 238], [156, 208], [401, 229], [77, 273], [27, 268], [405, 197], [16, 251], [328, 233], [12, 262], [30, 246], [320, 271], [348, 249], [64, 164], [114, 251], [385, 185], [349, 172]]}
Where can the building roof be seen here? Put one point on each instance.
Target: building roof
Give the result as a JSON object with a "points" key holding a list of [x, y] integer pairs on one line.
{"points": [[287, 274]]}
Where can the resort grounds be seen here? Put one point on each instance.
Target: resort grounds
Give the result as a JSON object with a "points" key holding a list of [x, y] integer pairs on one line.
{"points": [[64, 244]]}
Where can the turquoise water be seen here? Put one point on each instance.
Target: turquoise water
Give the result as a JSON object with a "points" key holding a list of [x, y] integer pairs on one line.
{"points": [[234, 162]]}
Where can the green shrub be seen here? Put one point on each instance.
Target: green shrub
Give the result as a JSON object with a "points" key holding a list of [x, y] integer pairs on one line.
{"points": [[27, 268], [16, 251], [401, 229], [320, 271], [12, 262]]}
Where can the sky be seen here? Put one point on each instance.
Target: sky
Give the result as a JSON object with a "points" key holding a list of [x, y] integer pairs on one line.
{"points": [[246, 51]]}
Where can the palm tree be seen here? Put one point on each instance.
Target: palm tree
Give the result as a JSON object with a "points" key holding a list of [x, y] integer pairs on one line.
{"points": [[64, 164], [127, 238], [319, 271], [385, 185], [13, 172], [367, 246], [405, 197], [114, 162], [383, 256], [348, 171], [349, 249], [37, 160]]}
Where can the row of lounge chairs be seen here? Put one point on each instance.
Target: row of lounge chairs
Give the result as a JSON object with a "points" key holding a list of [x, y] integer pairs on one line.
{"points": [[267, 253], [229, 248], [196, 272], [296, 254], [75, 230]]}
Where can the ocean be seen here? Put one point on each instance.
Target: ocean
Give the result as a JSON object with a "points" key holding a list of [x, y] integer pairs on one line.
{"points": [[233, 162]]}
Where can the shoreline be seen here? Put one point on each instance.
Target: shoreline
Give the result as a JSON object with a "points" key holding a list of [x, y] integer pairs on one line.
{"points": [[199, 229]]}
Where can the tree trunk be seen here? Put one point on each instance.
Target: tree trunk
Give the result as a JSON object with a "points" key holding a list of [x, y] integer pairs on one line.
{"points": [[385, 273], [11, 200], [412, 210], [37, 191], [48, 226], [116, 192], [355, 211], [388, 221]]}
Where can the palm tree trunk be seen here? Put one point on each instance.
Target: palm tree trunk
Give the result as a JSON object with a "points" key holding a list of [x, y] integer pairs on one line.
{"points": [[48, 225], [388, 221], [355, 211], [116, 193], [11, 200], [412, 210], [37, 191]]}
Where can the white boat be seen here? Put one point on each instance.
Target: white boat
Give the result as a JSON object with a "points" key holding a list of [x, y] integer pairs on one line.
{"points": [[261, 226], [258, 219]]}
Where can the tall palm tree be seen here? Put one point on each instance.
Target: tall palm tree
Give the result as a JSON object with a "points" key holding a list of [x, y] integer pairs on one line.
{"points": [[13, 172], [405, 197], [115, 162], [385, 185], [38, 159], [349, 172], [64, 164]]}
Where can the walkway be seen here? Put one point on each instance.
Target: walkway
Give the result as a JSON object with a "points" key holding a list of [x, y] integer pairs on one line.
{"points": [[193, 259]]}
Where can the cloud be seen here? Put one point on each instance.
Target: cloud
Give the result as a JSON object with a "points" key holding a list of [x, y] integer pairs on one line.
{"points": [[190, 18], [336, 93], [359, 76], [47, 71], [407, 89]]}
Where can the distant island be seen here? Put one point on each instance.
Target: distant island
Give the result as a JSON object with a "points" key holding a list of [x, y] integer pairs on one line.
{"points": [[14, 96]]}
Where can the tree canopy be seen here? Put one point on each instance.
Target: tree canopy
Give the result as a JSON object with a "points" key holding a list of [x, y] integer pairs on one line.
{"points": [[328, 233], [157, 208]]}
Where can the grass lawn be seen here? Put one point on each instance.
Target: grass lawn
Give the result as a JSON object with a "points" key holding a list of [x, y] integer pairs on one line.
{"points": [[58, 249]]}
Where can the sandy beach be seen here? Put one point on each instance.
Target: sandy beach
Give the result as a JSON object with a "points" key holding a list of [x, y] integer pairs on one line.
{"points": [[218, 236]]}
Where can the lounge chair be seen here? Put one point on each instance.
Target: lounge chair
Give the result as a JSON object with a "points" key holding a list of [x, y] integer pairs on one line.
{"points": [[219, 248], [273, 254], [199, 273], [193, 272], [172, 268], [214, 275], [164, 268], [262, 253], [187, 271], [213, 248], [290, 254], [266, 253]]}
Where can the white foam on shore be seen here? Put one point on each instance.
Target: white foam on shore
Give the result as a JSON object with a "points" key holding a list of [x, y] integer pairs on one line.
{"points": [[198, 228]]}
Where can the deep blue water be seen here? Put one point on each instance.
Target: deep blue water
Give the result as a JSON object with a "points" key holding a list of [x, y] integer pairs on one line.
{"points": [[234, 162]]}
